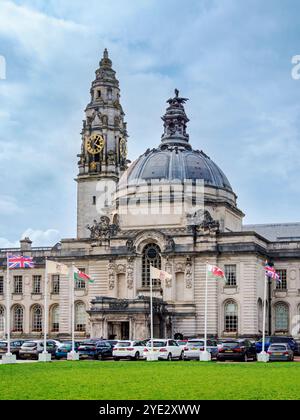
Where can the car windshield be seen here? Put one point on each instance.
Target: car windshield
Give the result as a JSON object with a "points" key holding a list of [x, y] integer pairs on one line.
{"points": [[195, 344], [124, 344], [3, 344], [231, 344], [30, 344], [157, 344], [277, 347]]}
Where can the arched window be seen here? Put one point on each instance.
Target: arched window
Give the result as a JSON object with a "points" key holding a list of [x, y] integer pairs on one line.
{"points": [[80, 316], [151, 256], [231, 316], [2, 318], [37, 318], [281, 317], [54, 319], [18, 315]]}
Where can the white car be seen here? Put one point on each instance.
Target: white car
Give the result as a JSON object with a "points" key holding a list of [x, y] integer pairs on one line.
{"points": [[125, 349], [194, 346], [167, 349]]}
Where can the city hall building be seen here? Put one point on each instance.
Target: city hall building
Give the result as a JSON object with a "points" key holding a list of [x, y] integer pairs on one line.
{"points": [[172, 208]]}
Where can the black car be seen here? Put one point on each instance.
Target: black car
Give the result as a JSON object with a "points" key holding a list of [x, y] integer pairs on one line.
{"points": [[240, 350], [92, 349]]}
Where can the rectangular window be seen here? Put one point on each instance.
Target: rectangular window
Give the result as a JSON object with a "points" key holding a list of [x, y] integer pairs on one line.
{"points": [[1, 285], [281, 285], [36, 285], [55, 284], [18, 285], [80, 284], [230, 274]]}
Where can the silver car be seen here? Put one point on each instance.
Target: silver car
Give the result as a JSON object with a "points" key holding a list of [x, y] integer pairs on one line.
{"points": [[280, 352], [32, 349], [194, 346]]}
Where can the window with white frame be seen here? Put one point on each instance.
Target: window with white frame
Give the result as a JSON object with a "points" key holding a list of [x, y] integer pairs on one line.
{"points": [[80, 316], [151, 257], [36, 284], [231, 316], [282, 283], [281, 317], [1, 285], [80, 283], [230, 274], [18, 284], [55, 318], [18, 315], [37, 318], [55, 284], [2, 318]]}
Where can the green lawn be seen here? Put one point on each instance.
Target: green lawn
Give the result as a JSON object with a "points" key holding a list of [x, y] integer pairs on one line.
{"points": [[150, 380]]}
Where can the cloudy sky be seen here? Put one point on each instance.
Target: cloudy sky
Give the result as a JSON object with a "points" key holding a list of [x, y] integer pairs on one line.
{"points": [[232, 59]]}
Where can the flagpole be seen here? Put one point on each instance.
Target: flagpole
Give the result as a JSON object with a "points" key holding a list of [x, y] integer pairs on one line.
{"points": [[205, 310], [45, 356], [73, 308], [263, 356], [72, 355], [45, 307], [8, 358], [8, 307], [205, 356]]}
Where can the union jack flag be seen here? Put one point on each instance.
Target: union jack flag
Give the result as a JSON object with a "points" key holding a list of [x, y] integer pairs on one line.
{"points": [[271, 272], [19, 261]]}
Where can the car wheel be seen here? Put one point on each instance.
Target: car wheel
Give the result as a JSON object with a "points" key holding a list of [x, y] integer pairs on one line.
{"points": [[181, 356], [245, 358], [100, 356], [136, 356], [169, 358], [116, 359]]}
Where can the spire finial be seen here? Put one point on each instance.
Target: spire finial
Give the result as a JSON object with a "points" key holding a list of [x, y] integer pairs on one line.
{"points": [[105, 53], [175, 121]]}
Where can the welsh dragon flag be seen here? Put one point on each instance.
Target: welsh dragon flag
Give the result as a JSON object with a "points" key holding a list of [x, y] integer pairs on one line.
{"points": [[214, 271], [80, 275]]}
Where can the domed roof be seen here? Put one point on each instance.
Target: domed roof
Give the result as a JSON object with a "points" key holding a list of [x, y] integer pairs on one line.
{"points": [[176, 163], [175, 159]]}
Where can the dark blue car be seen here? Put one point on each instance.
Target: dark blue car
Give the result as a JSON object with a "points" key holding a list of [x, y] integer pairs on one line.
{"points": [[277, 339], [94, 349]]}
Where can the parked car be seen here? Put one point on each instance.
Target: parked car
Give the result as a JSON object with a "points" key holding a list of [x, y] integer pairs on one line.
{"points": [[112, 342], [128, 350], [280, 352], [239, 349], [195, 345], [32, 349], [95, 350], [167, 349], [297, 351], [277, 339], [65, 348], [3, 347], [181, 343]]}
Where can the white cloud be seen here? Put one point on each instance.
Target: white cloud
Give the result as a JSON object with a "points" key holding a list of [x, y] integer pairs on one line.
{"points": [[39, 238]]}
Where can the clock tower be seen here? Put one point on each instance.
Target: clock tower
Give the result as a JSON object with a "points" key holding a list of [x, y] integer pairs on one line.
{"points": [[103, 156]]}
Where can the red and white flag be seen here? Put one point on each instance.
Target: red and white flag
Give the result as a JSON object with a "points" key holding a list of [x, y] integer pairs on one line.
{"points": [[215, 271]]}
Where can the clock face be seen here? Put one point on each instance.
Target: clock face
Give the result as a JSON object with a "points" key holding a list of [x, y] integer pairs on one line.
{"points": [[123, 148], [95, 144]]}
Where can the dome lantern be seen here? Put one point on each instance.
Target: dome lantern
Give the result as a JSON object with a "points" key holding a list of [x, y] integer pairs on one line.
{"points": [[175, 121]]}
